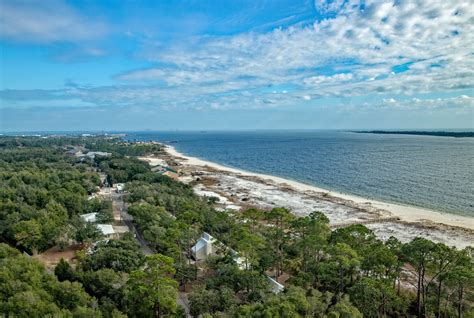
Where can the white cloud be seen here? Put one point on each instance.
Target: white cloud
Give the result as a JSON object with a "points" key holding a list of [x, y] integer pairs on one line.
{"points": [[46, 21], [389, 100], [359, 49], [355, 51]]}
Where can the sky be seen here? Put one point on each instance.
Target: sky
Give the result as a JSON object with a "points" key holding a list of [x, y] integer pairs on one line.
{"points": [[240, 64]]}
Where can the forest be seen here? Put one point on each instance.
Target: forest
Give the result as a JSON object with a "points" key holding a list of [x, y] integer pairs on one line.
{"points": [[346, 272]]}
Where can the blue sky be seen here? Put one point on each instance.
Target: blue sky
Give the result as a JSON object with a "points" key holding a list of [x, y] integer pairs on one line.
{"points": [[132, 65]]}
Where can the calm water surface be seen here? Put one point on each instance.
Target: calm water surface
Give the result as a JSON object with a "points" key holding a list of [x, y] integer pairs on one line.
{"points": [[431, 172]]}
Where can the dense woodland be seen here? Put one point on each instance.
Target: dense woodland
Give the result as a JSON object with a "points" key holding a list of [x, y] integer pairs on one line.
{"points": [[347, 272]]}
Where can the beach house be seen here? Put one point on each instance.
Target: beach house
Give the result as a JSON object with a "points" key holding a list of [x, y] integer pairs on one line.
{"points": [[204, 247], [120, 187], [207, 245], [107, 231], [89, 217]]}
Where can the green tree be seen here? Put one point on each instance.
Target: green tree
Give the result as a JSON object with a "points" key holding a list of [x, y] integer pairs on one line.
{"points": [[338, 269], [344, 309], [70, 295], [28, 235], [29, 291], [445, 259], [63, 271], [460, 280], [152, 291], [31, 303], [204, 301], [379, 260], [104, 283], [419, 252], [280, 218], [88, 233], [375, 298], [121, 255], [310, 238], [357, 236]]}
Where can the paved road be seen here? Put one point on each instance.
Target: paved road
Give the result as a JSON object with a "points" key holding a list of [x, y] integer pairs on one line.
{"points": [[145, 248], [121, 207]]}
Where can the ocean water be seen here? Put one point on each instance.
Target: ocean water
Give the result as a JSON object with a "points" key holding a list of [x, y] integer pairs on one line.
{"points": [[431, 172]]}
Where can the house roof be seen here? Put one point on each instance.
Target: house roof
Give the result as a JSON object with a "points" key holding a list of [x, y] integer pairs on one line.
{"points": [[89, 217], [106, 229], [199, 244], [92, 154], [205, 239], [275, 286], [121, 229]]}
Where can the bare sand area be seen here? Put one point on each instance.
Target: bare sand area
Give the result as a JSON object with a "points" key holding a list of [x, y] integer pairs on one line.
{"points": [[237, 189]]}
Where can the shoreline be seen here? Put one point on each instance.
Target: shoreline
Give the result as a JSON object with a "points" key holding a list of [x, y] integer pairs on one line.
{"points": [[405, 213]]}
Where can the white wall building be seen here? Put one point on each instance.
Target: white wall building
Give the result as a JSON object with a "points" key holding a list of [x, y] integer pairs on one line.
{"points": [[107, 230], [89, 217], [275, 286], [120, 187], [205, 246]]}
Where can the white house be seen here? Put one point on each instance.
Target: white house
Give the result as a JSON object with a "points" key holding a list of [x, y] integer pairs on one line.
{"points": [[89, 217], [107, 230], [119, 187], [93, 154], [275, 286], [205, 246]]}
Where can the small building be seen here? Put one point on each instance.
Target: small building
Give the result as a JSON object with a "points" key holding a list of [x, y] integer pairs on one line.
{"points": [[205, 246], [120, 230], [93, 154], [107, 230], [75, 152], [120, 187], [89, 217], [158, 169], [275, 286]]}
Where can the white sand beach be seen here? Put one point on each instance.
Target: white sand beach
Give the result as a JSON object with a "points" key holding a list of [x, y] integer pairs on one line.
{"points": [[237, 187]]}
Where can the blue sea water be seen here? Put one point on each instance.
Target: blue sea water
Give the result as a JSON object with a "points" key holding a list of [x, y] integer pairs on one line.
{"points": [[432, 172]]}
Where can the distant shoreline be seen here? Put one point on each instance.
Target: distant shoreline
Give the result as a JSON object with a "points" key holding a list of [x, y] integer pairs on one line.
{"points": [[406, 213], [455, 134]]}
